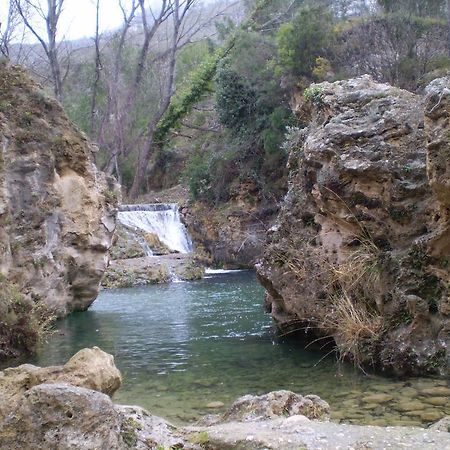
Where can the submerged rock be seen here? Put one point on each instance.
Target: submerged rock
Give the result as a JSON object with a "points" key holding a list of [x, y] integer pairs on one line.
{"points": [[57, 211], [361, 246]]}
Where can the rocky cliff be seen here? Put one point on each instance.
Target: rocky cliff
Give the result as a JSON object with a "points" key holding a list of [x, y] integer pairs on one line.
{"points": [[361, 249], [233, 234], [57, 211]]}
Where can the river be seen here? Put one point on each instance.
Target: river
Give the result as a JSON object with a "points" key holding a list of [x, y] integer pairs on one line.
{"points": [[185, 348]]}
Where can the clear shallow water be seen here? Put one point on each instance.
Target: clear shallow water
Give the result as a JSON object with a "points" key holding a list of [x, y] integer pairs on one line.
{"points": [[182, 346]]}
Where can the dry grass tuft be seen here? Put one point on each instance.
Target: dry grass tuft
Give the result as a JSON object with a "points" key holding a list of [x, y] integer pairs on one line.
{"points": [[353, 325], [360, 273]]}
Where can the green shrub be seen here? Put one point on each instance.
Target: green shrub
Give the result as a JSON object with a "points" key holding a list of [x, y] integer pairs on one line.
{"points": [[306, 38]]}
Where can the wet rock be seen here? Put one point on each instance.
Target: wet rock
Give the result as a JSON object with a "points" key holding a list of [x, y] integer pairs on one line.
{"points": [[413, 413], [378, 398], [215, 405], [275, 404], [369, 201], [408, 392], [437, 401], [89, 368], [57, 211], [436, 391], [431, 415], [414, 405]]}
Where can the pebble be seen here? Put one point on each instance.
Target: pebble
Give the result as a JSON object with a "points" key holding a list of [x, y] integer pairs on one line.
{"points": [[437, 391], [408, 392], [377, 398], [436, 401], [213, 405], [377, 422], [414, 413], [371, 406], [431, 415], [414, 405]]}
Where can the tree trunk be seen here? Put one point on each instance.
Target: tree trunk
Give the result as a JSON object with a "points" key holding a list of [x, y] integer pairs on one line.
{"points": [[146, 151], [98, 66]]}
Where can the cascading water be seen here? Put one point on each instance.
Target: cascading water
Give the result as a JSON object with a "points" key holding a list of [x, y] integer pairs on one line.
{"points": [[162, 219]]}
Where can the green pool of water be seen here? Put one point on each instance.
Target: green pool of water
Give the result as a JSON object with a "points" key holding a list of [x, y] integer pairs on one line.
{"points": [[182, 346]]}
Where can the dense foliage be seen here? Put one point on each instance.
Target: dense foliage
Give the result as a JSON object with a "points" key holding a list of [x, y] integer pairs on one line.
{"points": [[215, 109]]}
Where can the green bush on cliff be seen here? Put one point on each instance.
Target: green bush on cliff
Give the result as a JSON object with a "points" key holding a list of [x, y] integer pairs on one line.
{"points": [[23, 323]]}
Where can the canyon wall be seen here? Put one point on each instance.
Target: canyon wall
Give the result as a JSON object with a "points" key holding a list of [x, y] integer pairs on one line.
{"points": [[57, 211], [360, 252]]}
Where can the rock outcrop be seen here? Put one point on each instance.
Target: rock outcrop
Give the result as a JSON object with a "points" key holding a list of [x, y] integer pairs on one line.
{"points": [[233, 235], [299, 432], [360, 251], [57, 211], [89, 368]]}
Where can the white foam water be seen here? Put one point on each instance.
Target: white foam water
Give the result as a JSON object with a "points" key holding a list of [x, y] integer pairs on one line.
{"points": [[162, 219]]}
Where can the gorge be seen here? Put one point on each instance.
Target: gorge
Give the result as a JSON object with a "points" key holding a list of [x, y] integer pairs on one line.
{"points": [[366, 215]]}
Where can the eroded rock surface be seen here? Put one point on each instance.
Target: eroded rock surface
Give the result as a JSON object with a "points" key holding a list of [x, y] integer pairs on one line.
{"points": [[360, 251], [57, 211], [276, 404], [90, 368], [232, 236], [62, 416]]}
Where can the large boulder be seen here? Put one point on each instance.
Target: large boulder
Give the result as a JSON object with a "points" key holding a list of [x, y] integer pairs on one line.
{"points": [[57, 211], [360, 251], [62, 416], [90, 368]]}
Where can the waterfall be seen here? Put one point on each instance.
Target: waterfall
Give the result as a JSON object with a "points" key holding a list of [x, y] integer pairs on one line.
{"points": [[162, 219]]}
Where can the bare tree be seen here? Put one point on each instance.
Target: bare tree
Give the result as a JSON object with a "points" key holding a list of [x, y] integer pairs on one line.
{"points": [[138, 66], [180, 10], [9, 29], [29, 9], [98, 68]]}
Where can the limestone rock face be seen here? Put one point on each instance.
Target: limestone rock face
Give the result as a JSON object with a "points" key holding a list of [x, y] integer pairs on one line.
{"points": [[90, 368], [361, 246], [62, 416], [232, 236], [57, 211]]}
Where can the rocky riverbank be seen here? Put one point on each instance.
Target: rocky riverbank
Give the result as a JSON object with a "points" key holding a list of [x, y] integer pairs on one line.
{"points": [[69, 406]]}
